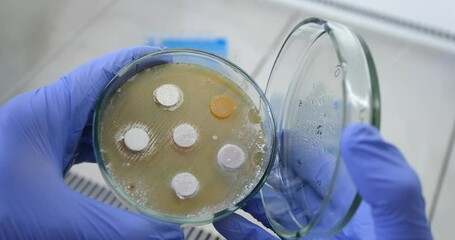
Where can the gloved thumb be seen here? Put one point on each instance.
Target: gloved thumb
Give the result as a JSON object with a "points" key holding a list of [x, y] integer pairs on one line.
{"points": [[385, 181], [100, 221]]}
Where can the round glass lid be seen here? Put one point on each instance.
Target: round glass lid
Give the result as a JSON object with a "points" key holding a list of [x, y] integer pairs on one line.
{"points": [[323, 79]]}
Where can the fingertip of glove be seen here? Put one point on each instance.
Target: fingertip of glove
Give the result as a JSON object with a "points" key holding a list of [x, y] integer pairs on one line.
{"points": [[357, 130], [122, 224], [152, 228], [111, 63], [358, 134], [237, 227], [232, 227]]}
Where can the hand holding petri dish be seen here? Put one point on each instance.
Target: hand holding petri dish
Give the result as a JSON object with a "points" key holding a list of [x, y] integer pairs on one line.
{"points": [[187, 137]]}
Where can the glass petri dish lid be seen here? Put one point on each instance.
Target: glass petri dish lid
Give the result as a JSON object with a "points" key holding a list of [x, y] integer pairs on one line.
{"points": [[323, 79]]}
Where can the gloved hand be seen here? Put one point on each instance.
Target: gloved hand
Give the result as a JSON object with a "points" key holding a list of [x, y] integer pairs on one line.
{"points": [[39, 133], [393, 206]]}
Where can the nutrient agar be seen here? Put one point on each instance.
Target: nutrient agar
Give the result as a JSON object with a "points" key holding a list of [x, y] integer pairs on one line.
{"points": [[202, 128]]}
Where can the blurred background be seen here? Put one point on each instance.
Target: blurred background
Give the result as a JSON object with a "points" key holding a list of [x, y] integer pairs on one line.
{"points": [[412, 42]]}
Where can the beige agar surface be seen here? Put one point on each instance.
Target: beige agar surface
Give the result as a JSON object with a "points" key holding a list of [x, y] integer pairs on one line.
{"points": [[147, 176]]}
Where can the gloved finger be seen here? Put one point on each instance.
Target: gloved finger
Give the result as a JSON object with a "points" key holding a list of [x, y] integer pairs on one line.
{"points": [[309, 181], [313, 170], [77, 92], [255, 207], [278, 208], [100, 221], [364, 151], [387, 182], [84, 84], [317, 171], [315, 191], [360, 227], [342, 198], [330, 196], [238, 228], [304, 205]]}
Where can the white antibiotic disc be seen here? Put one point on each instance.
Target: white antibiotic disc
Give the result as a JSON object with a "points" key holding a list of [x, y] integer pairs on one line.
{"points": [[185, 135], [168, 95], [185, 185], [230, 157], [136, 139]]}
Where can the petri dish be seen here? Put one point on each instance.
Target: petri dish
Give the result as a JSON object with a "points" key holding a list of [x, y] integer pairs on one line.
{"points": [[323, 79], [183, 136]]}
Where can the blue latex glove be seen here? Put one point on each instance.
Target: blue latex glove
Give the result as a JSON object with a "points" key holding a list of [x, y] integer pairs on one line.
{"points": [[393, 206], [39, 133]]}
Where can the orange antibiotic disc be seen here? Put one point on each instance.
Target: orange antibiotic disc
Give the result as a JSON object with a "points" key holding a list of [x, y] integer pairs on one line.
{"points": [[222, 106]]}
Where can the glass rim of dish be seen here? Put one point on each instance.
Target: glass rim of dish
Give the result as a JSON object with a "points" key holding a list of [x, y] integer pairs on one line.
{"points": [[129, 201]]}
